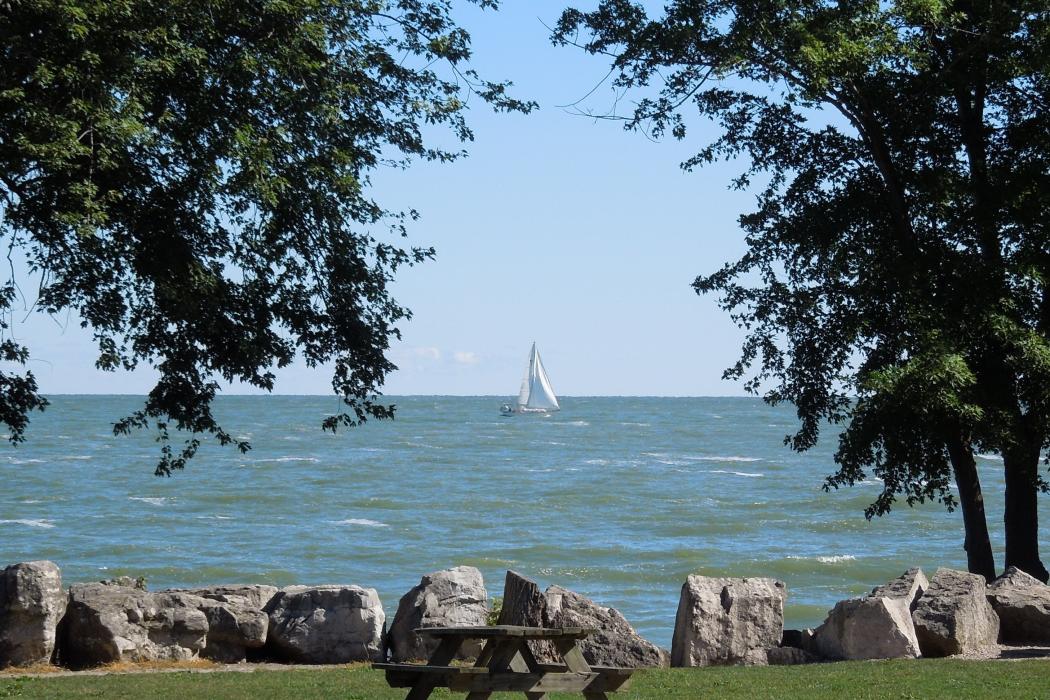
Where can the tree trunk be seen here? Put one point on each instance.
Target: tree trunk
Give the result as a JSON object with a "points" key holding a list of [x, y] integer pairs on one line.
{"points": [[978, 546], [1022, 511]]}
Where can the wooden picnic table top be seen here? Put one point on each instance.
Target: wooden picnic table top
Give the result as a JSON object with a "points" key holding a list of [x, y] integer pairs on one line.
{"points": [[499, 631]]}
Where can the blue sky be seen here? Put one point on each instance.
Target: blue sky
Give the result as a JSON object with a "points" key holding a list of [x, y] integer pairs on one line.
{"points": [[557, 228]]}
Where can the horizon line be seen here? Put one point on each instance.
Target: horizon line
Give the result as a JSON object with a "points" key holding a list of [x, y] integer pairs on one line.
{"points": [[458, 396]]}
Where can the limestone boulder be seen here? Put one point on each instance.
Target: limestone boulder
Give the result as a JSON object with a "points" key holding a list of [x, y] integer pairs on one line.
{"points": [[237, 621], [867, 628], [453, 597], [613, 642], [256, 595], [1023, 605], [110, 623], [326, 624], [954, 616], [31, 604], [727, 621], [878, 626], [907, 587]]}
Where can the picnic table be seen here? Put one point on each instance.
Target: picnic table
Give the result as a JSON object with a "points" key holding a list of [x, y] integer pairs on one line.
{"points": [[506, 663]]}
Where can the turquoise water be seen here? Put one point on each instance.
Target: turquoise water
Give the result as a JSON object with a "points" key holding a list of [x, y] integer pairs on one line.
{"points": [[616, 498]]}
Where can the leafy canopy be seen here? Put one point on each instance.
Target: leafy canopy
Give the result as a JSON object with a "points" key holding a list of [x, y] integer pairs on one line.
{"points": [[898, 259], [192, 178]]}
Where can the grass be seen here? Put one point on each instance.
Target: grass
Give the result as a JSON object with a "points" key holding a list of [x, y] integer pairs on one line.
{"points": [[896, 680]]}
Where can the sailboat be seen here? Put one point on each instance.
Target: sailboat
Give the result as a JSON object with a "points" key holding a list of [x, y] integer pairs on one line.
{"points": [[536, 395]]}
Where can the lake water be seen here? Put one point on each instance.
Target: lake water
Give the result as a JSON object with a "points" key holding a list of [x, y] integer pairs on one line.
{"points": [[616, 498]]}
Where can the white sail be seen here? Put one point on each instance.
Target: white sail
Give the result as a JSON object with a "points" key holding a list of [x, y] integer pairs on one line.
{"points": [[540, 393], [523, 394]]}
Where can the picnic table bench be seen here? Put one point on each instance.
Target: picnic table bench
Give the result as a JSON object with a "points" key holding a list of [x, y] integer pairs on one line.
{"points": [[506, 663]]}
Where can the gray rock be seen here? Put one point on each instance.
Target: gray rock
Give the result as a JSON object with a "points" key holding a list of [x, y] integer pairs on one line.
{"points": [[109, 623], [613, 642], [724, 621], [909, 587], [453, 597], [799, 639], [789, 656], [1023, 605], [31, 604], [954, 616], [326, 624], [256, 595], [138, 582], [236, 619], [876, 627]]}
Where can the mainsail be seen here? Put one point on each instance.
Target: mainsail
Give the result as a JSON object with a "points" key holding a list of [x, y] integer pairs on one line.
{"points": [[536, 392]]}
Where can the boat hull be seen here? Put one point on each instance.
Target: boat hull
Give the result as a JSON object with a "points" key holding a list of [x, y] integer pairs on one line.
{"points": [[508, 410]]}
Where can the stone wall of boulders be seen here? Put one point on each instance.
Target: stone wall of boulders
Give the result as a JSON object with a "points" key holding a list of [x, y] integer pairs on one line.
{"points": [[91, 624], [952, 613], [719, 621]]}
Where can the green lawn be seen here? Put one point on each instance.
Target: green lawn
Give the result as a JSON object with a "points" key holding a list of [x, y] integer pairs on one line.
{"points": [[1019, 680]]}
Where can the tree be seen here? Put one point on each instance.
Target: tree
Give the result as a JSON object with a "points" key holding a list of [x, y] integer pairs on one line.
{"points": [[898, 261], [192, 178]]}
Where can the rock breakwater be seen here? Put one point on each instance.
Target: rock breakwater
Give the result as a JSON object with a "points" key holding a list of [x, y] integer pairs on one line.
{"points": [[720, 621]]}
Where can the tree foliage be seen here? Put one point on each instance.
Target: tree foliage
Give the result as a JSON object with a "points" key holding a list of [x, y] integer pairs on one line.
{"points": [[898, 261], [192, 178]]}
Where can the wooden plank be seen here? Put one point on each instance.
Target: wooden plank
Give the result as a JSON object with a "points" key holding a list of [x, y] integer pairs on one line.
{"points": [[610, 678], [400, 679], [464, 678], [420, 668], [495, 631], [609, 682], [524, 683]]}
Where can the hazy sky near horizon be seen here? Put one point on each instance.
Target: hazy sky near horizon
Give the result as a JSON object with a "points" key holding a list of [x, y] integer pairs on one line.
{"points": [[557, 228]]}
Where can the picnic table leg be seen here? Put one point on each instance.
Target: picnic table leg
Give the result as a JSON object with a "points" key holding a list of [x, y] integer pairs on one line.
{"points": [[421, 690], [507, 655], [572, 655], [574, 661], [486, 653], [534, 667], [445, 652], [529, 658]]}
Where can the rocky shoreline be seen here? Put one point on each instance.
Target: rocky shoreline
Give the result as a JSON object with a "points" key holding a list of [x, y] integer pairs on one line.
{"points": [[720, 621]]}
